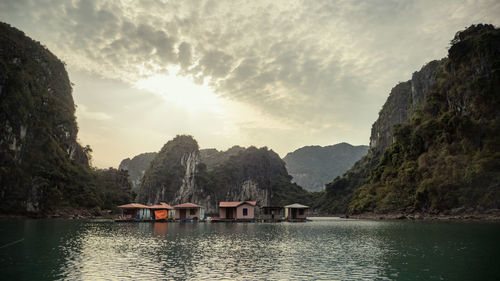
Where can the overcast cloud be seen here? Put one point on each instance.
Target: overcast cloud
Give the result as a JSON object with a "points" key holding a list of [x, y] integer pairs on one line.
{"points": [[320, 68]]}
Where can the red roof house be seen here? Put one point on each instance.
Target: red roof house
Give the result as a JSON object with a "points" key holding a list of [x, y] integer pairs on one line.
{"points": [[237, 210]]}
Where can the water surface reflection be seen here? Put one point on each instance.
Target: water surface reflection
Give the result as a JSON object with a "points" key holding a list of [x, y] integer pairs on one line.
{"points": [[242, 251], [319, 250]]}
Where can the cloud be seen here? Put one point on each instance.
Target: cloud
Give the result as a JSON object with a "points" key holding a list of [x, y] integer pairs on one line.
{"points": [[214, 64], [303, 63], [185, 56]]}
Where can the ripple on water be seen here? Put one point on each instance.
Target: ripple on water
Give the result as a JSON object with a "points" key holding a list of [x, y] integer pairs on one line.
{"points": [[318, 250], [239, 251]]}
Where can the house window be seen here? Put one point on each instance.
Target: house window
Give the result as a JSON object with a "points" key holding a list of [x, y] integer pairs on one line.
{"points": [[245, 212], [301, 212], [193, 212]]}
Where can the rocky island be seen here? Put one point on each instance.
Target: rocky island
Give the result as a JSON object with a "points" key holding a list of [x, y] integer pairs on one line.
{"points": [[434, 148], [44, 170]]}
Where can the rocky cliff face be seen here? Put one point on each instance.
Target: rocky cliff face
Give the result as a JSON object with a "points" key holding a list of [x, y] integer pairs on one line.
{"points": [[447, 155], [178, 174], [189, 161], [37, 124], [252, 174], [401, 104], [136, 168], [313, 166], [43, 168], [138, 165], [168, 170], [430, 137]]}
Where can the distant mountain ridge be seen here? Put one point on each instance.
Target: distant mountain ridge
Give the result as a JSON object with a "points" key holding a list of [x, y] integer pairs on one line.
{"points": [[313, 166], [136, 168]]}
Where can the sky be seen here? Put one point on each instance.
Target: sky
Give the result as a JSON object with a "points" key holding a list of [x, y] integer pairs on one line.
{"points": [[281, 74]]}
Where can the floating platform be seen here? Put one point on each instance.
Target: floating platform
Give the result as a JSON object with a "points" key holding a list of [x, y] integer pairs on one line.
{"points": [[297, 220], [271, 220], [233, 220], [213, 220], [132, 220], [162, 220]]}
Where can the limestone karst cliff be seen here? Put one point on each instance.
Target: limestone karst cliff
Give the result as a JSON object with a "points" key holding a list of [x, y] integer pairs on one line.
{"points": [[404, 99], [435, 144], [37, 123], [42, 166], [178, 174], [138, 165]]}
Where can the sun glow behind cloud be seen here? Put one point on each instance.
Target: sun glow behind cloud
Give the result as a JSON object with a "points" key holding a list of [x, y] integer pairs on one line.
{"points": [[200, 100], [278, 73], [182, 92]]}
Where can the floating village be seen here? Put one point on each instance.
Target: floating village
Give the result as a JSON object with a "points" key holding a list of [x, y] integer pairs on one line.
{"points": [[234, 211]]}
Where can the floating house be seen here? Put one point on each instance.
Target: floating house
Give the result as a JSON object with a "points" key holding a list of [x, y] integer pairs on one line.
{"points": [[296, 212], [272, 214], [189, 211], [135, 211], [162, 211], [237, 210]]}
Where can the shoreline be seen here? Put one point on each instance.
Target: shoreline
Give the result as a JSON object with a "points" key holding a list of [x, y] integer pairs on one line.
{"points": [[65, 213], [454, 215], [367, 216], [427, 217]]}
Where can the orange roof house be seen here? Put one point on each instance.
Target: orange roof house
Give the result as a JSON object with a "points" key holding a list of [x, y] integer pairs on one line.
{"points": [[162, 211]]}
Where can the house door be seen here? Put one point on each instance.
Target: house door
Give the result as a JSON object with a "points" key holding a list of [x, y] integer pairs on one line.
{"points": [[294, 213], [229, 213], [182, 214]]}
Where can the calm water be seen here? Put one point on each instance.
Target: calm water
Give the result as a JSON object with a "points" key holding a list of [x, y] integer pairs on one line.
{"points": [[332, 249]]}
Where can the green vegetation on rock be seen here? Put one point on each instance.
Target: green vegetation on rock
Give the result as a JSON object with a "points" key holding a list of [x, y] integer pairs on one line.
{"points": [[434, 147], [136, 167], [42, 166], [446, 154], [178, 174], [166, 172], [212, 157], [265, 169]]}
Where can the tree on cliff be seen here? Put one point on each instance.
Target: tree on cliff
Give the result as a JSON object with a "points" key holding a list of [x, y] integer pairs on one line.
{"points": [[446, 154], [42, 166], [177, 174]]}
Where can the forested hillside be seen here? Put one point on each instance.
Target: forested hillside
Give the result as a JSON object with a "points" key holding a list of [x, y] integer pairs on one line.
{"points": [[42, 166], [446, 154]]}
